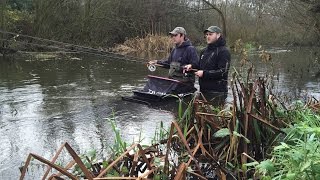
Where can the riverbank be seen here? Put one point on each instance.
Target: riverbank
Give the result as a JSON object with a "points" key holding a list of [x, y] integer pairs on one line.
{"points": [[209, 142]]}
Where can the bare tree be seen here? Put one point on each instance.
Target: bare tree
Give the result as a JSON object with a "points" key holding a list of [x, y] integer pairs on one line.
{"points": [[223, 19], [2, 12], [105, 22]]}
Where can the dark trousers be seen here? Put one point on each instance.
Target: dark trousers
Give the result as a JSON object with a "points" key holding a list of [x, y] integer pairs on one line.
{"points": [[217, 99]]}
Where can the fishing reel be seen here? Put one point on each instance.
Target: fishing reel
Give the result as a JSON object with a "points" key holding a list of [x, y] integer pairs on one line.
{"points": [[151, 67]]}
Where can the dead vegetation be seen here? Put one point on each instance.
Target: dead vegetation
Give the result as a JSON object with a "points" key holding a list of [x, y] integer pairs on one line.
{"points": [[150, 43], [205, 143], [208, 144]]}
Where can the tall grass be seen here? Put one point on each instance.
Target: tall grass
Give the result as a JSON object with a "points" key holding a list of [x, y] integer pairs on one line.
{"points": [[119, 144], [150, 43]]}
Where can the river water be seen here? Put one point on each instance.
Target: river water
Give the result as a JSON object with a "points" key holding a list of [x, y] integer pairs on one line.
{"points": [[44, 103]]}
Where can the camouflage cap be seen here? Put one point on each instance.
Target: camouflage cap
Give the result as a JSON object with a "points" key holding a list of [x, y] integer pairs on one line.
{"points": [[215, 29], [178, 30]]}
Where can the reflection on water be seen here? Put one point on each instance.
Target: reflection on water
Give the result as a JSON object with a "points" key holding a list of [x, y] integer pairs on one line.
{"points": [[45, 103], [294, 71]]}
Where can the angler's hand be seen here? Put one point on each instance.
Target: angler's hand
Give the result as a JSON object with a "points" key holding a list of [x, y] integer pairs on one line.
{"points": [[152, 62], [199, 73], [152, 65], [188, 67]]}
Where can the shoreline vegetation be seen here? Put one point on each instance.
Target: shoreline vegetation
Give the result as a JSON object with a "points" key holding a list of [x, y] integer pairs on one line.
{"points": [[151, 43], [258, 136], [103, 23]]}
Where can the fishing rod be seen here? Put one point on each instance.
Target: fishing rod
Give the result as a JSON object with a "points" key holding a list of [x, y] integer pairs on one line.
{"points": [[105, 54], [71, 47], [153, 66], [82, 49]]}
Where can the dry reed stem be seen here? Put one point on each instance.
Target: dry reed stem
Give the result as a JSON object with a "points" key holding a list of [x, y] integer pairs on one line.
{"points": [[68, 166], [257, 117], [76, 158], [55, 157], [181, 172], [180, 134], [43, 160], [118, 159]]}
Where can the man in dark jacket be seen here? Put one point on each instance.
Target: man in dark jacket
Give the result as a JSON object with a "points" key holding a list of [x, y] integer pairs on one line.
{"points": [[183, 53], [214, 65]]}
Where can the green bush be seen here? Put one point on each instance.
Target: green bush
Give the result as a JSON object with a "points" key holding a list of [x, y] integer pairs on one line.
{"points": [[298, 155]]}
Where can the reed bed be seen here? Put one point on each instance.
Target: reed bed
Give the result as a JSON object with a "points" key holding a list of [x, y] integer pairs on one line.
{"points": [[258, 136], [202, 143], [150, 43]]}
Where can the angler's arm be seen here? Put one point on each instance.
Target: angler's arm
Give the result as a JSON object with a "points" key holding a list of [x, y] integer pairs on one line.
{"points": [[223, 67], [165, 62], [193, 60]]}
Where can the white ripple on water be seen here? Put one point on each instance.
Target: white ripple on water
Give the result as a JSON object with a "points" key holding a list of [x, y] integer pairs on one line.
{"points": [[71, 97], [106, 93], [127, 87]]}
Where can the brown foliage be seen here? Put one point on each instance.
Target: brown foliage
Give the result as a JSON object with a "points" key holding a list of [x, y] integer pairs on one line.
{"points": [[151, 43]]}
